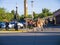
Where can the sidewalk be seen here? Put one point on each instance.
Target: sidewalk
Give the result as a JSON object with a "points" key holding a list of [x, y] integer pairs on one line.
{"points": [[27, 31], [48, 29]]}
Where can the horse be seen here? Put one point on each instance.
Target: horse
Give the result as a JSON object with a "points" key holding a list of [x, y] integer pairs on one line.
{"points": [[40, 23]]}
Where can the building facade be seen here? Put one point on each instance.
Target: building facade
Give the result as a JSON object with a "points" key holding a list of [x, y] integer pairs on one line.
{"points": [[57, 16]]}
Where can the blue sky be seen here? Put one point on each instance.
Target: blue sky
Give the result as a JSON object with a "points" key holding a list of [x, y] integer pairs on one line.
{"points": [[9, 5]]}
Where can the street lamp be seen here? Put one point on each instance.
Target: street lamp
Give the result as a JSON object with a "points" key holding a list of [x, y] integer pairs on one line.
{"points": [[16, 10], [15, 13], [32, 8]]}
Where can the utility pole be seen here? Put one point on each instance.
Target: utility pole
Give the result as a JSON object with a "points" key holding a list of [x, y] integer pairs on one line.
{"points": [[25, 11], [25, 8]]}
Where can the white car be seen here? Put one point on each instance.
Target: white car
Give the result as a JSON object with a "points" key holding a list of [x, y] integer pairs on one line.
{"points": [[20, 25], [11, 25]]}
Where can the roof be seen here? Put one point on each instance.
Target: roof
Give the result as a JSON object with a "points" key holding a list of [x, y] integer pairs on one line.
{"points": [[56, 11]]}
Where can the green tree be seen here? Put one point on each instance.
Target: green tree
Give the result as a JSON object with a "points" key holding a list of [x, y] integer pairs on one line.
{"points": [[2, 14], [13, 12], [29, 16], [35, 15], [21, 17], [9, 16], [5, 15], [45, 12]]}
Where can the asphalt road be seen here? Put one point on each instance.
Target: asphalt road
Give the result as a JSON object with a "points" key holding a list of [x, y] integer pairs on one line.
{"points": [[50, 36], [41, 38], [30, 39]]}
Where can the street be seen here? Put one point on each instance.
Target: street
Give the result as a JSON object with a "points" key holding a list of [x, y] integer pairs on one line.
{"points": [[30, 34], [49, 36], [30, 39]]}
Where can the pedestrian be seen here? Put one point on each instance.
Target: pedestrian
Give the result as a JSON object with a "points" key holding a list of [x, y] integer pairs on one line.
{"points": [[31, 24], [7, 25], [53, 21], [0, 25], [16, 26], [48, 20]]}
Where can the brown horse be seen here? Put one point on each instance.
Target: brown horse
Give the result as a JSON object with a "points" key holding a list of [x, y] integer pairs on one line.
{"points": [[40, 23]]}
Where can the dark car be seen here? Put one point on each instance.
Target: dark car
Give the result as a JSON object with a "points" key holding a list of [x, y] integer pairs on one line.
{"points": [[22, 21]]}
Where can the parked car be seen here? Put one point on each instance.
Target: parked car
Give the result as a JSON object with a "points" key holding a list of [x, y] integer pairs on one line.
{"points": [[23, 22], [20, 25], [11, 25], [2, 25]]}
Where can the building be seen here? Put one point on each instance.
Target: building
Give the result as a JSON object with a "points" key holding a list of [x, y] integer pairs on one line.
{"points": [[57, 16]]}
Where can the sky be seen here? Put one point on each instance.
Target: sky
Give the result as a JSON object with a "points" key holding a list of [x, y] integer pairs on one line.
{"points": [[38, 5]]}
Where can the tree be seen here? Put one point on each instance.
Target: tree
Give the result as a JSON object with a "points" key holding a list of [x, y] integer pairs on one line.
{"points": [[13, 12], [35, 15], [45, 10], [5, 15], [21, 17], [29, 16], [45, 13], [41, 15], [9, 16], [2, 13]]}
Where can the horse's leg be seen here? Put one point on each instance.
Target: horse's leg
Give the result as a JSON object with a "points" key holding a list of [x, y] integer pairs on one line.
{"points": [[42, 28]]}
